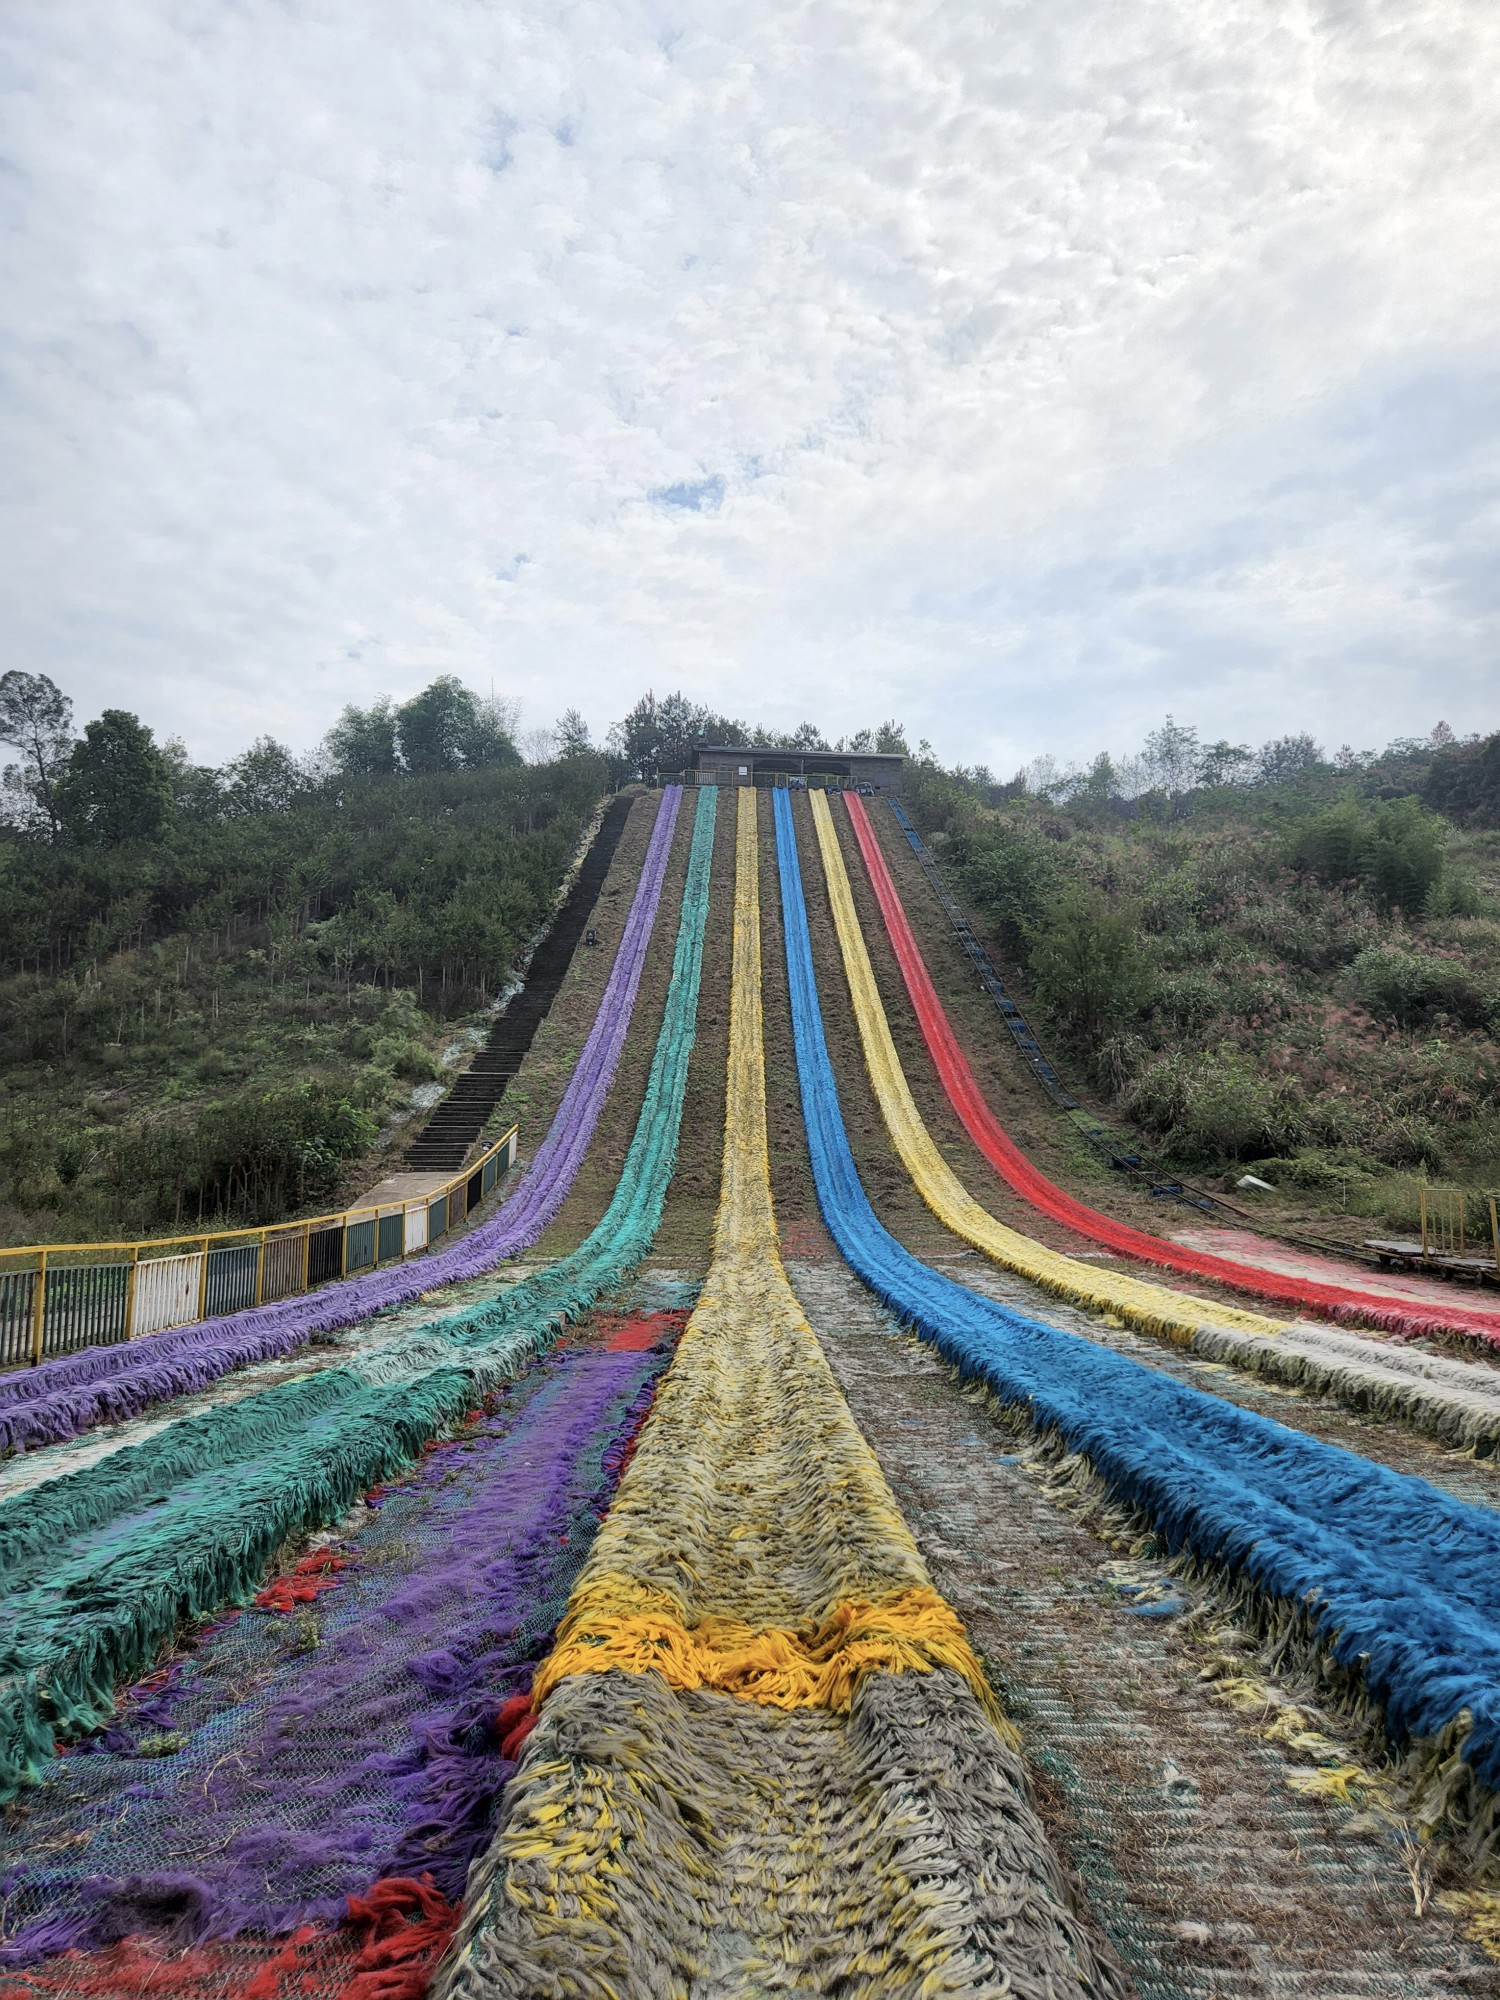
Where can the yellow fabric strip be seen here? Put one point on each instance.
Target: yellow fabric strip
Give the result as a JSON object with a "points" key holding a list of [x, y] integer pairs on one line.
{"points": [[754, 1546], [1156, 1308], [820, 1667]]}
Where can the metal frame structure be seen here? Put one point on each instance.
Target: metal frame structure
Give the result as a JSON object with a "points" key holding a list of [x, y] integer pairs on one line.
{"points": [[55, 1297]]}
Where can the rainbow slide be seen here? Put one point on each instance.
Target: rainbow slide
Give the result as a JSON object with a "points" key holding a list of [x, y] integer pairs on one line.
{"points": [[574, 1643]]}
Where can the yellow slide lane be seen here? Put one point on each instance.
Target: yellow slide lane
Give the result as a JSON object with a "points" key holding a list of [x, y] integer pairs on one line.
{"points": [[1155, 1308], [754, 1547]]}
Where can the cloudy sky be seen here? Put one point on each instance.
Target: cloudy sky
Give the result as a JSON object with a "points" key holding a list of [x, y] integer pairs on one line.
{"points": [[1023, 369]]}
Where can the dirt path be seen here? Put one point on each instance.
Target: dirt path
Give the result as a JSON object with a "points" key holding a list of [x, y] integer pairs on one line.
{"points": [[1215, 1879]]}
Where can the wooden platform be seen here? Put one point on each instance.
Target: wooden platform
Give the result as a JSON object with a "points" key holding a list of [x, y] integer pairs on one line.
{"points": [[1411, 1256]]}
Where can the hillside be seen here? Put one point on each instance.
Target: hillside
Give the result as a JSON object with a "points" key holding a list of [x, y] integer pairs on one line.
{"points": [[214, 1024], [1298, 977]]}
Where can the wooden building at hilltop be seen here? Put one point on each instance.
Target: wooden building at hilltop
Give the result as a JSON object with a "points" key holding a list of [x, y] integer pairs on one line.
{"points": [[835, 770]]}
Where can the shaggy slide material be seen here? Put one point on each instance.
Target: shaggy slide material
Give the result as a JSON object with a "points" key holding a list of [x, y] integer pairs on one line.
{"points": [[1305, 1292], [1138, 1303], [852, 1817], [1456, 1400], [296, 1756], [1390, 1580]]}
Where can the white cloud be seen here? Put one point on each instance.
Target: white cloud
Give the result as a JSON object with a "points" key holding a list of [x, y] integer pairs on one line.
{"points": [[1024, 370]]}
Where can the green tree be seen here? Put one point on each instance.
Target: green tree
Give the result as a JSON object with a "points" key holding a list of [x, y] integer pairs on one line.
{"points": [[196, 791], [434, 725], [660, 736], [1102, 781], [1225, 763], [362, 743], [572, 734], [448, 728], [36, 718], [1285, 758], [1087, 967], [1169, 762], [264, 778], [489, 743], [890, 740], [117, 785]]}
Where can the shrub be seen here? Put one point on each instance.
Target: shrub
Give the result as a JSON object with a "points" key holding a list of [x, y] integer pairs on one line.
{"points": [[1214, 1106], [1413, 987], [1088, 970], [1013, 875], [248, 1159], [405, 1056], [1396, 845]]}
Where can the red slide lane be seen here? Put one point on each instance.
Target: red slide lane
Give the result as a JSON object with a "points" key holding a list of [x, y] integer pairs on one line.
{"points": [[1332, 1301]]}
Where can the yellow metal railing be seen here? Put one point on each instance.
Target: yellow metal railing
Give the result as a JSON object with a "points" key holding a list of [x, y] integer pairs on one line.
{"points": [[58, 1296], [1443, 1224]]}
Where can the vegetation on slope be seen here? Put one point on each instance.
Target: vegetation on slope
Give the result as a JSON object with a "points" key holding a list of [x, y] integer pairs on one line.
{"points": [[1276, 961], [216, 986]]}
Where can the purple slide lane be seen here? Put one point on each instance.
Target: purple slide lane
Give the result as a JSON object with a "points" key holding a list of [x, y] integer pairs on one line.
{"points": [[41, 1406]]}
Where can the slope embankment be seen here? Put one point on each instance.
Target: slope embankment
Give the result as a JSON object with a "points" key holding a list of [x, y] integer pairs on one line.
{"points": [[1456, 1400], [105, 1384]]}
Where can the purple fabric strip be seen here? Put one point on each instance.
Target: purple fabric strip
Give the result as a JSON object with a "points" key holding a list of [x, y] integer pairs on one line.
{"points": [[265, 1777], [43, 1405]]}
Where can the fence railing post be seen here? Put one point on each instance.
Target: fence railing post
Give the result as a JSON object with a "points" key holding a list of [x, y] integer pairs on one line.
{"points": [[38, 1308], [306, 1253], [260, 1269], [130, 1286], [203, 1284]]}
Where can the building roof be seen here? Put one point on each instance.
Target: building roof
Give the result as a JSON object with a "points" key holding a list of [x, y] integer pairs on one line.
{"points": [[748, 750]]}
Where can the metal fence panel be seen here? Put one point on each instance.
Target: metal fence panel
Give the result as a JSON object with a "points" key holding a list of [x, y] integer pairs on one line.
{"points": [[325, 1254], [359, 1249], [17, 1301], [166, 1292], [84, 1306], [281, 1273], [231, 1279]]}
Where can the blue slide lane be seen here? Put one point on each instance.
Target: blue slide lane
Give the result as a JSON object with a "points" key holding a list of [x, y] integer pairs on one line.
{"points": [[1398, 1578]]}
